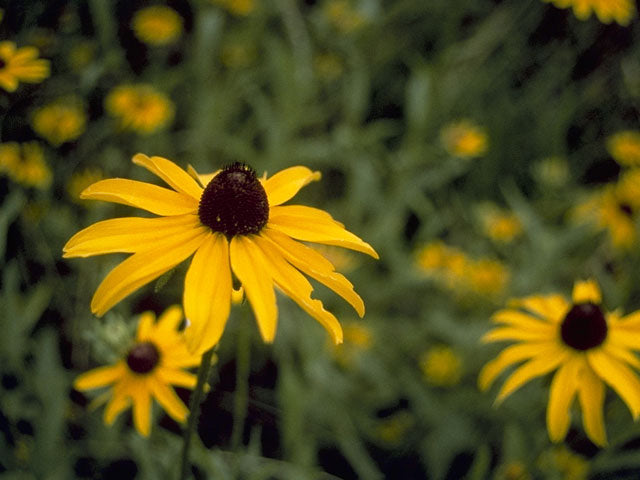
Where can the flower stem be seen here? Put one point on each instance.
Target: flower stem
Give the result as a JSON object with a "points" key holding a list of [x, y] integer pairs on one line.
{"points": [[241, 397], [194, 410]]}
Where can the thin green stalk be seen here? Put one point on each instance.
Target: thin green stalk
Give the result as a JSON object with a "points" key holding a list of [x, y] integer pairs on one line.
{"points": [[241, 397], [194, 410]]}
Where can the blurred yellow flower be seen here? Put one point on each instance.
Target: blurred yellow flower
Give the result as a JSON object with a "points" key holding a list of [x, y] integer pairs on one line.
{"points": [[25, 164], [60, 121], [562, 460], [356, 338], [140, 108], [154, 363], [586, 345], [157, 25], [621, 11], [81, 180], [343, 16], [513, 470], [236, 7], [394, 428], [552, 171], [500, 225], [20, 65], [464, 139], [441, 366], [624, 147], [487, 277]]}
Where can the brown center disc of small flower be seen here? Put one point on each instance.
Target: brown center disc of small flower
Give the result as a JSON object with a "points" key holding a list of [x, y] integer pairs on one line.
{"points": [[626, 209], [234, 202], [143, 357], [584, 327], [3, 63]]}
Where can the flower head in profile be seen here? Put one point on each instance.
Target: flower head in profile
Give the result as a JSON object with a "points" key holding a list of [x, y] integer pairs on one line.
{"points": [[156, 361], [140, 108], [607, 11], [25, 164], [20, 65], [464, 139], [624, 147], [587, 346], [236, 225], [60, 121], [157, 25]]}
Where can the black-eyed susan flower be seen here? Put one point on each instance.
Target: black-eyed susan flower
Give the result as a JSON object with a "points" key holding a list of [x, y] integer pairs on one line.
{"points": [[441, 366], [140, 108], [60, 121], [586, 345], [624, 147], [464, 139], [607, 11], [157, 25], [236, 224], [152, 365], [25, 164], [20, 65]]}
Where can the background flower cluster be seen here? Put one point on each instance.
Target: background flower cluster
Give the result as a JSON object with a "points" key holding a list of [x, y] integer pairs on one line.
{"points": [[487, 149]]}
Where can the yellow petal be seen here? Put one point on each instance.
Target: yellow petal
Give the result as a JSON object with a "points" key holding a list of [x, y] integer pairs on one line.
{"points": [[207, 293], [99, 377], [506, 333], [249, 267], [146, 326], [561, 394], [146, 196], [142, 407], [524, 321], [202, 178], [312, 263], [535, 367], [316, 228], [622, 353], [143, 267], [296, 286], [618, 376], [179, 378], [118, 403], [586, 292], [508, 357], [168, 400], [591, 395], [285, 184], [170, 173], [547, 307]]}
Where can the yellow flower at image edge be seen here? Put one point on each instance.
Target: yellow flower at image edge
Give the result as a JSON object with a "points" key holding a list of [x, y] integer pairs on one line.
{"points": [[157, 25], [156, 361], [140, 108], [233, 222], [25, 164], [621, 11], [20, 65], [624, 147], [588, 346]]}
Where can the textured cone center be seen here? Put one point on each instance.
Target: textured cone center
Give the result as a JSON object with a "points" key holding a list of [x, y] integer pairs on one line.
{"points": [[234, 202], [143, 357], [584, 327]]}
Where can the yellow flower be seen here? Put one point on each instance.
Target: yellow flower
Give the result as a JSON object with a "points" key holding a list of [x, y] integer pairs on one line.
{"points": [[157, 25], [237, 7], [395, 427], [624, 147], [500, 225], [20, 65], [552, 171], [343, 16], [25, 164], [464, 139], [81, 180], [588, 346], [621, 11], [140, 108], [154, 363], [487, 276], [235, 224], [441, 366], [60, 121]]}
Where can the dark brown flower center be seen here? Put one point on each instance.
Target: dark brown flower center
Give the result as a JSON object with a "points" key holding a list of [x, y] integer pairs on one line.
{"points": [[3, 63], [584, 327], [234, 202], [626, 209], [143, 357]]}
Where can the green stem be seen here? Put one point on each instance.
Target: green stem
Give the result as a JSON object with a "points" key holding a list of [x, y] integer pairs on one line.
{"points": [[241, 397], [194, 410]]}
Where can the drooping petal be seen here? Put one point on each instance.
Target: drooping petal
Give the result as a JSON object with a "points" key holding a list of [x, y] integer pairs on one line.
{"points": [[169, 321], [142, 407], [618, 376], [548, 307], [116, 405], [507, 333], [179, 378], [563, 390], [591, 395], [622, 353], [316, 227], [248, 265], [535, 367], [99, 377], [285, 184], [586, 292], [207, 293], [297, 287], [168, 400], [523, 321], [170, 173], [143, 267], [312, 263], [145, 326], [509, 356], [154, 199]]}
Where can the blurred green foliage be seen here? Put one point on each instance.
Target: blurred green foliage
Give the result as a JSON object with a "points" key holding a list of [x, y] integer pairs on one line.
{"points": [[361, 96]]}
